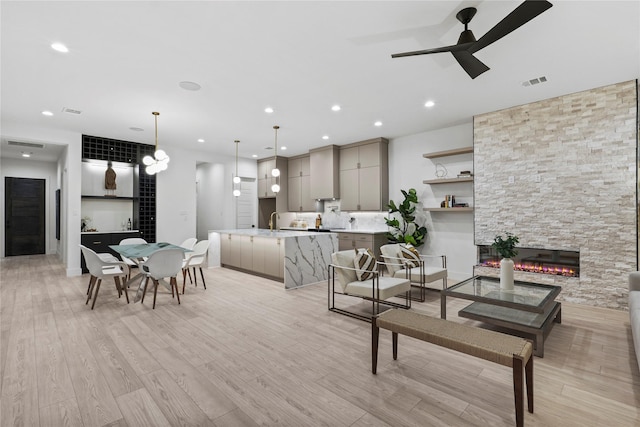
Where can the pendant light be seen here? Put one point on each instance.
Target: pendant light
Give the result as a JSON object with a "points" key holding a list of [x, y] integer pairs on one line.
{"points": [[160, 160], [275, 172], [236, 178]]}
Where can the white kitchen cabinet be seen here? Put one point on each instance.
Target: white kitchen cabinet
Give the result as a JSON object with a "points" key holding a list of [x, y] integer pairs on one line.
{"points": [[274, 257], [299, 185], [230, 250], [324, 172], [246, 252], [364, 176]]}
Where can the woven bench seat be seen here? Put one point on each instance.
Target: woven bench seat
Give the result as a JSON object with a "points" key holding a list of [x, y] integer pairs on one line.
{"points": [[507, 350]]}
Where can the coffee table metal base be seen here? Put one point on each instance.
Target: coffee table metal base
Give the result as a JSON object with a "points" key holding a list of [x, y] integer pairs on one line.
{"points": [[536, 324]]}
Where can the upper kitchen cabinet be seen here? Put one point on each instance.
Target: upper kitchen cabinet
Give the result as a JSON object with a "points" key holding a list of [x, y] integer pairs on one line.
{"points": [[265, 180], [299, 184], [325, 173], [364, 175]]}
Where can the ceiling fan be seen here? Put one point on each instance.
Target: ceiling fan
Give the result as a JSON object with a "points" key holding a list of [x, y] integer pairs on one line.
{"points": [[467, 45]]}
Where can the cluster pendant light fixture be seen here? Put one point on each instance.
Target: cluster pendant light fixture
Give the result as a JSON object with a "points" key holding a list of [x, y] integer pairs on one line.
{"points": [[236, 178], [160, 160], [275, 172]]}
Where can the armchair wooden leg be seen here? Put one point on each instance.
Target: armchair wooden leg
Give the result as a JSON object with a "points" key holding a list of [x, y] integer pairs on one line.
{"points": [[174, 284], [202, 275], [155, 292], [184, 278], [123, 287], [146, 285], [195, 277], [95, 297], [92, 282], [394, 343]]}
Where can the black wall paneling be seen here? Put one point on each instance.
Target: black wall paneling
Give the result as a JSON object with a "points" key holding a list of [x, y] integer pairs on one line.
{"points": [[144, 191]]}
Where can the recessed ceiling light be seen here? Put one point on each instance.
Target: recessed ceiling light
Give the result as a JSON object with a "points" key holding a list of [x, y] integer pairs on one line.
{"points": [[325, 137], [59, 47], [268, 110], [283, 148], [25, 154], [378, 123], [200, 140], [189, 85], [254, 155], [135, 129], [429, 104], [335, 108], [47, 113]]}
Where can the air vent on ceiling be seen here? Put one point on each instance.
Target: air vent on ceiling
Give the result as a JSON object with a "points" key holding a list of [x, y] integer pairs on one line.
{"points": [[26, 144], [268, 148], [534, 81], [71, 111]]}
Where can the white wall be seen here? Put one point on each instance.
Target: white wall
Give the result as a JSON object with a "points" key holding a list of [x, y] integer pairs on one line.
{"points": [[179, 209], [24, 168], [70, 179], [450, 234]]}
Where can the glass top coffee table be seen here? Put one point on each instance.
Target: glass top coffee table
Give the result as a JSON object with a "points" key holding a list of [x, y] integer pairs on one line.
{"points": [[528, 308]]}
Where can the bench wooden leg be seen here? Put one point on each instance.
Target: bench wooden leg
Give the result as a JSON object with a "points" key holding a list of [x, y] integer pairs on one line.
{"points": [[375, 332], [394, 340], [517, 390], [528, 370]]}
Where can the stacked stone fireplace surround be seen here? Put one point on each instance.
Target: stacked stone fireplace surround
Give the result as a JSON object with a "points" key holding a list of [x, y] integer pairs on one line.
{"points": [[562, 174]]}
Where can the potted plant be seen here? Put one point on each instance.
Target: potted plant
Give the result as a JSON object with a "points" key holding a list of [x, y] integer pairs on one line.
{"points": [[506, 248], [406, 226]]}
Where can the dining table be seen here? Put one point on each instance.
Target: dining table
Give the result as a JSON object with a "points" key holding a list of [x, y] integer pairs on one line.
{"points": [[139, 253]]}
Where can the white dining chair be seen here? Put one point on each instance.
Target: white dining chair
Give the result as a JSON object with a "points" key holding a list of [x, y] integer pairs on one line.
{"points": [[131, 241], [196, 258], [100, 269], [161, 264]]}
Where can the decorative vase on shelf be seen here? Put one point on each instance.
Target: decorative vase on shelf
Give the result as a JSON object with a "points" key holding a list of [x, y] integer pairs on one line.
{"points": [[506, 273]]}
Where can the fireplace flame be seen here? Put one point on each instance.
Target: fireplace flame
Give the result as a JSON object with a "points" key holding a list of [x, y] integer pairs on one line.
{"points": [[536, 268]]}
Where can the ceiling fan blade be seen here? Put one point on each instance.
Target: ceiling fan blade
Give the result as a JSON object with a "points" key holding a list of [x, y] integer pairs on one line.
{"points": [[472, 65], [520, 16], [453, 48]]}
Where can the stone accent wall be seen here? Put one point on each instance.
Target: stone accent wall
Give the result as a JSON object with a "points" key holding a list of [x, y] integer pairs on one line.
{"points": [[562, 174]]}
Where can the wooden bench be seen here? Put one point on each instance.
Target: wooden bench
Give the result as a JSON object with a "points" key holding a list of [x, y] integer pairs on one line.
{"points": [[494, 346]]}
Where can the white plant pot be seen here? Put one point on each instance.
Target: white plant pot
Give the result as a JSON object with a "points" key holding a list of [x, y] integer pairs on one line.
{"points": [[506, 273]]}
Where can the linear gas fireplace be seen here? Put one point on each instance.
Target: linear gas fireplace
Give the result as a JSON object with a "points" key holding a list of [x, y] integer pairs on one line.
{"points": [[542, 261]]}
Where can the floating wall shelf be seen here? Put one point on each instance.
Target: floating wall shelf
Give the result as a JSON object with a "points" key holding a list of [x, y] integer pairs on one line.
{"points": [[447, 180], [457, 210], [455, 151]]}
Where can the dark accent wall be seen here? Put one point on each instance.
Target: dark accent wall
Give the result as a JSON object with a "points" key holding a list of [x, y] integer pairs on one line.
{"points": [[144, 192]]}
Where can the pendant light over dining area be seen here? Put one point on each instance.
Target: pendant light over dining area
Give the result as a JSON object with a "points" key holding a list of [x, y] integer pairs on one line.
{"points": [[275, 172], [160, 159], [236, 178]]}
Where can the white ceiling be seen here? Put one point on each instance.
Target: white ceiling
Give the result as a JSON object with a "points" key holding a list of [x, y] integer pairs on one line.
{"points": [[127, 58]]}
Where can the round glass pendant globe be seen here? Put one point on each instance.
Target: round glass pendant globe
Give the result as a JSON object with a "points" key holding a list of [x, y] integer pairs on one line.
{"points": [[151, 169], [236, 180], [160, 155], [148, 160], [236, 193], [275, 188], [162, 166], [275, 172]]}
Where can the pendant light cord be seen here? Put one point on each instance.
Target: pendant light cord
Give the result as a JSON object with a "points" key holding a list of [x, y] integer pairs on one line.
{"points": [[156, 114]]}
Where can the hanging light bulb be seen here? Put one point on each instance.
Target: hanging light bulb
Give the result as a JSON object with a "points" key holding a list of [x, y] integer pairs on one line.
{"points": [[275, 172], [160, 160], [236, 178]]}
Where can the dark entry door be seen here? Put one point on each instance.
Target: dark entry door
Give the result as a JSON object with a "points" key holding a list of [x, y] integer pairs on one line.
{"points": [[24, 213]]}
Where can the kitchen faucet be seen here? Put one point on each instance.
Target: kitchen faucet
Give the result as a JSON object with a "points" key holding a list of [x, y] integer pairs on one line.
{"points": [[271, 220]]}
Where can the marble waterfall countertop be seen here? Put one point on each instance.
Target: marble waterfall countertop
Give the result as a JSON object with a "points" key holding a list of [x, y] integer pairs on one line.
{"points": [[268, 233], [306, 257]]}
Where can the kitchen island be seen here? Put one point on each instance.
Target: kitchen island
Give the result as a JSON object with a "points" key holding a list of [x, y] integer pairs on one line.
{"points": [[296, 258]]}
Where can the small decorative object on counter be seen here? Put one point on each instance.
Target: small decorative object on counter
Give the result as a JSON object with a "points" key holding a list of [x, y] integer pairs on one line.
{"points": [[129, 224], [506, 249], [318, 221]]}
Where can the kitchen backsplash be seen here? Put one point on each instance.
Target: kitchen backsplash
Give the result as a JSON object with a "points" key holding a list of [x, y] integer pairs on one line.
{"points": [[336, 219]]}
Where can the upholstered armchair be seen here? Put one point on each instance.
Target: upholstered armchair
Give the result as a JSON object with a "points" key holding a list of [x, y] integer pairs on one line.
{"points": [[425, 271], [346, 277]]}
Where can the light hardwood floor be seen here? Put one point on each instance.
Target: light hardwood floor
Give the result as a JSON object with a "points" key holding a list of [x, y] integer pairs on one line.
{"points": [[246, 352]]}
